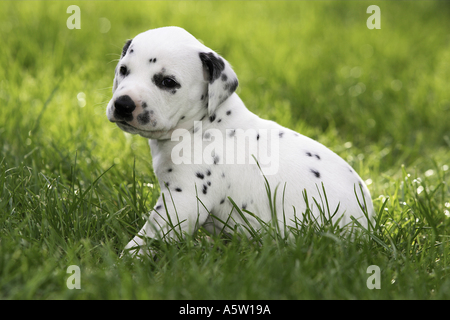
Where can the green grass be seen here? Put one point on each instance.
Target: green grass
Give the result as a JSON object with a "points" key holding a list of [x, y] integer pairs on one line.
{"points": [[74, 189]]}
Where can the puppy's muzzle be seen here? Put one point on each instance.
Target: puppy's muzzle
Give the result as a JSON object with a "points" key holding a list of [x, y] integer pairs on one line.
{"points": [[123, 108]]}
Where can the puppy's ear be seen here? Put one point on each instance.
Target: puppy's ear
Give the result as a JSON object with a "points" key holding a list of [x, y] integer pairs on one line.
{"points": [[222, 81], [125, 48]]}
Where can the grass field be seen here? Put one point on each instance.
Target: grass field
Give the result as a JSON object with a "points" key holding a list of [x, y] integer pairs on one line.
{"points": [[74, 188]]}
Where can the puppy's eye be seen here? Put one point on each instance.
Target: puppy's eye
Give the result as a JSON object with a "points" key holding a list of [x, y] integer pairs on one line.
{"points": [[169, 83], [166, 82], [123, 70]]}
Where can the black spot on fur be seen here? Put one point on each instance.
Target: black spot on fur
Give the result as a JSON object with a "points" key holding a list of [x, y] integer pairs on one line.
{"points": [[207, 135], [200, 175], [166, 184], [216, 159], [317, 156], [159, 206], [144, 117], [178, 189], [219, 120], [205, 189], [223, 175], [228, 112], [231, 86], [281, 134], [182, 117], [232, 133], [152, 60], [208, 183], [203, 117], [316, 173], [169, 170], [212, 118], [224, 77], [208, 172], [144, 105], [244, 206], [257, 136], [125, 48], [222, 201], [214, 65], [309, 154]]}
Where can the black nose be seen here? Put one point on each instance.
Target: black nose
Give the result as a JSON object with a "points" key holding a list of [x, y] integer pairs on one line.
{"points": [[124, 105]]}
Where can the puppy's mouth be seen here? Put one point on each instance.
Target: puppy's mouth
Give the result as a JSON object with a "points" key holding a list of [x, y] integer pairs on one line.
{"points": [[126, 124], [150, 134]]}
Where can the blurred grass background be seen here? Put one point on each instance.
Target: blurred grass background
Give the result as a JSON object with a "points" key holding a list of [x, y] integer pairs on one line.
{"points": [[314, 67], [379, 98]]}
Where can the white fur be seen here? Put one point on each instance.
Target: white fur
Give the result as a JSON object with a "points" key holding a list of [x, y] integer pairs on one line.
{"points": [[303, 164]]}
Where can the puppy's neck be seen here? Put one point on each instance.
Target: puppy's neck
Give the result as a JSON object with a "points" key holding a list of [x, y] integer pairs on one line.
{"points": [[229, 115]]}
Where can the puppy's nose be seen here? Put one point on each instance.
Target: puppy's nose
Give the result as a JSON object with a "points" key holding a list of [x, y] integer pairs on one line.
{"points": [[124, 105]]}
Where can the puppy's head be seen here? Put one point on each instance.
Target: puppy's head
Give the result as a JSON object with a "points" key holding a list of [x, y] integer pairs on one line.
{"points": [[165, 80]]}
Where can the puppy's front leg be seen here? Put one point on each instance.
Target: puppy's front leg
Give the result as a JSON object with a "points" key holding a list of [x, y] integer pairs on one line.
{"points": [[180, 215]]}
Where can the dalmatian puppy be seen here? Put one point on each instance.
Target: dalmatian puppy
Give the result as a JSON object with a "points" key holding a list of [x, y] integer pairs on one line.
{"points": [[211, 155]]}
